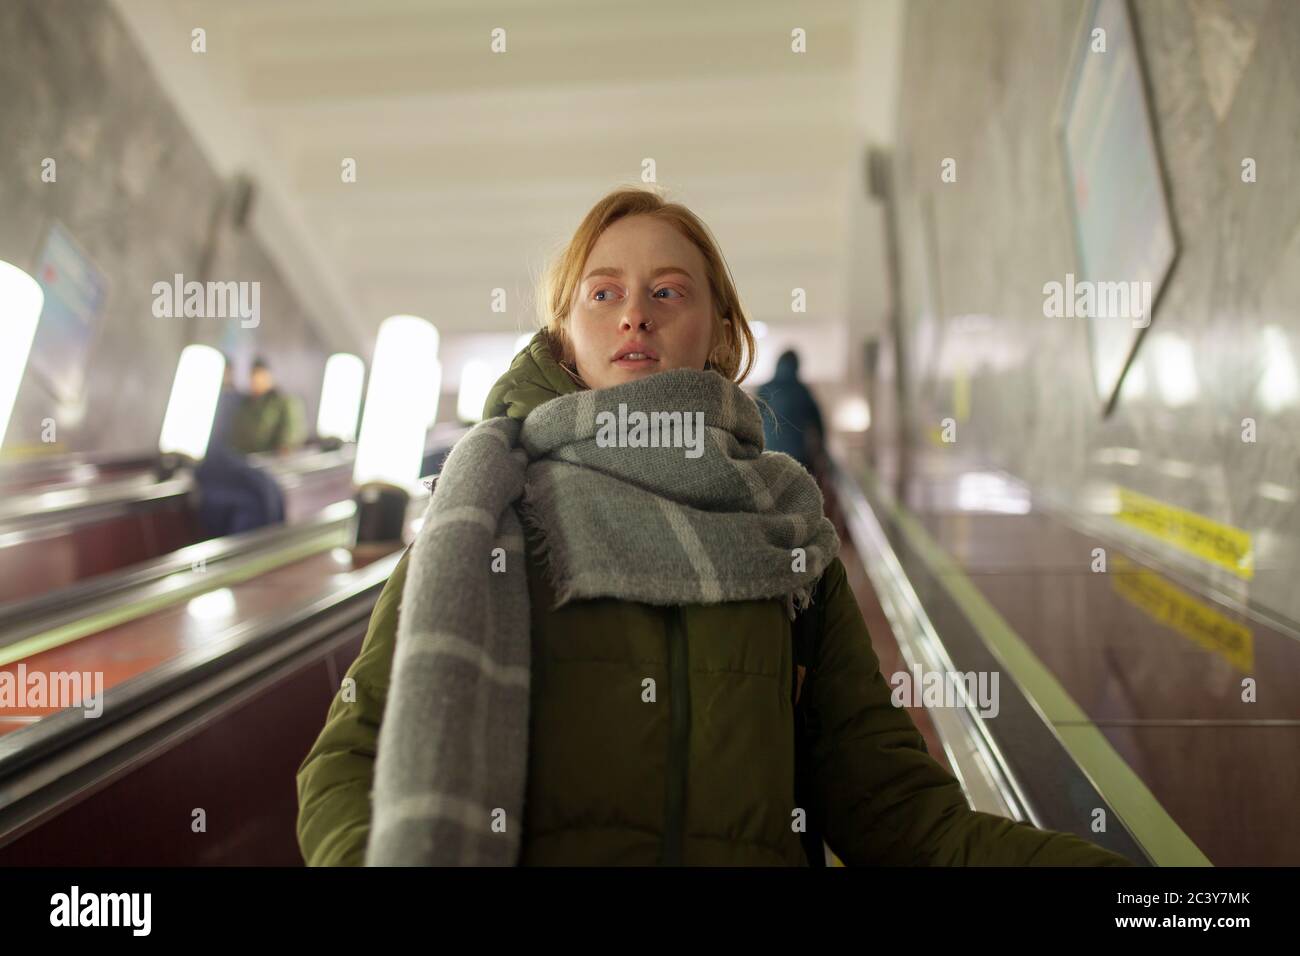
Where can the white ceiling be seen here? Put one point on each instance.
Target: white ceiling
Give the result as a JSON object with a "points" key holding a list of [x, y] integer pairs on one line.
{"points": [[472, 167]]}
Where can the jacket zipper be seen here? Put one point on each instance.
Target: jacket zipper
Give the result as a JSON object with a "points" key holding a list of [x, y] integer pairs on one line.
{"points": [[678, 740]]}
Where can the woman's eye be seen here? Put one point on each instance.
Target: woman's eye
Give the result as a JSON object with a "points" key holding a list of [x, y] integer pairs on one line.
{"points": [[603, 294]]}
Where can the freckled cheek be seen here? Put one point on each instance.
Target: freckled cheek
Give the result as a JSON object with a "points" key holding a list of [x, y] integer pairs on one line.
{"points": [[701, 332], [587, 330]]}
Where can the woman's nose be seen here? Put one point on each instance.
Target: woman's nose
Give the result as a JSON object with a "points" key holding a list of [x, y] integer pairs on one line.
{"points": [[634, 316]]}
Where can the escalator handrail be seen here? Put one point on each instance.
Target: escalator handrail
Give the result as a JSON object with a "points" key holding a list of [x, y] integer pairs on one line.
{"points": [[53, 734], [1003, 751], [34, 614], [34, 511]]}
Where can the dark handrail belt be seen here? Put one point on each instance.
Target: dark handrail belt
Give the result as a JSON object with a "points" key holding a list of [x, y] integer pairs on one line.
{"points": [[21, 614], [67, 752], [79, 620], [1022, 769]]}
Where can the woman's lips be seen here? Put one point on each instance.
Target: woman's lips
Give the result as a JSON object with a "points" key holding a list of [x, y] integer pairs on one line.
{"points": [[635, 363], [635, 355]]}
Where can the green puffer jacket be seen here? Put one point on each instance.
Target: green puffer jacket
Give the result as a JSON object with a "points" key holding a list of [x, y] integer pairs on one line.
{"points": [[269, 422], [705, 773]]}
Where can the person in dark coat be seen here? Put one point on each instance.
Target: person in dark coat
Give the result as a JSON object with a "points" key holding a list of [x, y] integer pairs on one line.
{"points": [[792, 422]]}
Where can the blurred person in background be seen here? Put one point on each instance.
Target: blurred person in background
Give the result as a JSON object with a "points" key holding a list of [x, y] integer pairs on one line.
{"points": [[234, 495], [268, 420], [792, 422]]}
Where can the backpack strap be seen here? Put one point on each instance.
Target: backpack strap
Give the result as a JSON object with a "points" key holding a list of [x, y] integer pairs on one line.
{"points": [[806, 633]]}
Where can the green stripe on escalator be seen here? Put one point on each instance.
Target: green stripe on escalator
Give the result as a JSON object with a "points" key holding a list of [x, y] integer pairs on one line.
{"points": [[1148, 821], [204, 581]]}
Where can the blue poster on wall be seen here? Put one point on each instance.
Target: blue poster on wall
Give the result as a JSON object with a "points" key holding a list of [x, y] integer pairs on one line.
{"points": [[75, 293]]}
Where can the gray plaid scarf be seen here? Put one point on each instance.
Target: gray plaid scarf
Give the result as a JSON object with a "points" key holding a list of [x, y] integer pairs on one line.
{"points": [[656, 491]]}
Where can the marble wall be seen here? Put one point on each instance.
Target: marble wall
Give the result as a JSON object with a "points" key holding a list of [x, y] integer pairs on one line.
{"points": [[136, 194], [980, 84]]}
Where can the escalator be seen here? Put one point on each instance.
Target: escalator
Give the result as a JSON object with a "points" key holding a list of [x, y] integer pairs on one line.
{"points": [[75, 518], [191, 688]]}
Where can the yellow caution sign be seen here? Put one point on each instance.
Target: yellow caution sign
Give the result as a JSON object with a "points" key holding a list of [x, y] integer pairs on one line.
{"points": [[1180, 611], [1220, 544]]}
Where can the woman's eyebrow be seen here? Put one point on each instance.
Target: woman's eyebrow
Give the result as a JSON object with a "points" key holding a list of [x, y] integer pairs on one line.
{"points": [[611, 271]]}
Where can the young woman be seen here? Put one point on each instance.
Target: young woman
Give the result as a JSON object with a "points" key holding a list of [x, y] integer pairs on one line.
{"points": [[612, 607]]}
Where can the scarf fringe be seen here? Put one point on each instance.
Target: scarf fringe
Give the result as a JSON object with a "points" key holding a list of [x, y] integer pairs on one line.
{"points": [[800, 599], [530, 521]]}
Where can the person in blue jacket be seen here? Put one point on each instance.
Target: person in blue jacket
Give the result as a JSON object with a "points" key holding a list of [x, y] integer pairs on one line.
{"points": [[792, 422]]}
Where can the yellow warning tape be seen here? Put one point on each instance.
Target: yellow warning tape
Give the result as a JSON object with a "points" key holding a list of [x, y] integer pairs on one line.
{"points": [[1220, 544], [1176, 609]]}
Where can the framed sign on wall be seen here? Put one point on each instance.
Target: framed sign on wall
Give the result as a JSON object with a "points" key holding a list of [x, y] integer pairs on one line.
{"points": [[1124, 239], [75, 295]]}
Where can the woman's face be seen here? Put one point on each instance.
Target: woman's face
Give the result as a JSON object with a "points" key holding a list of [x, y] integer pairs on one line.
{"points": [[643, 290]]}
